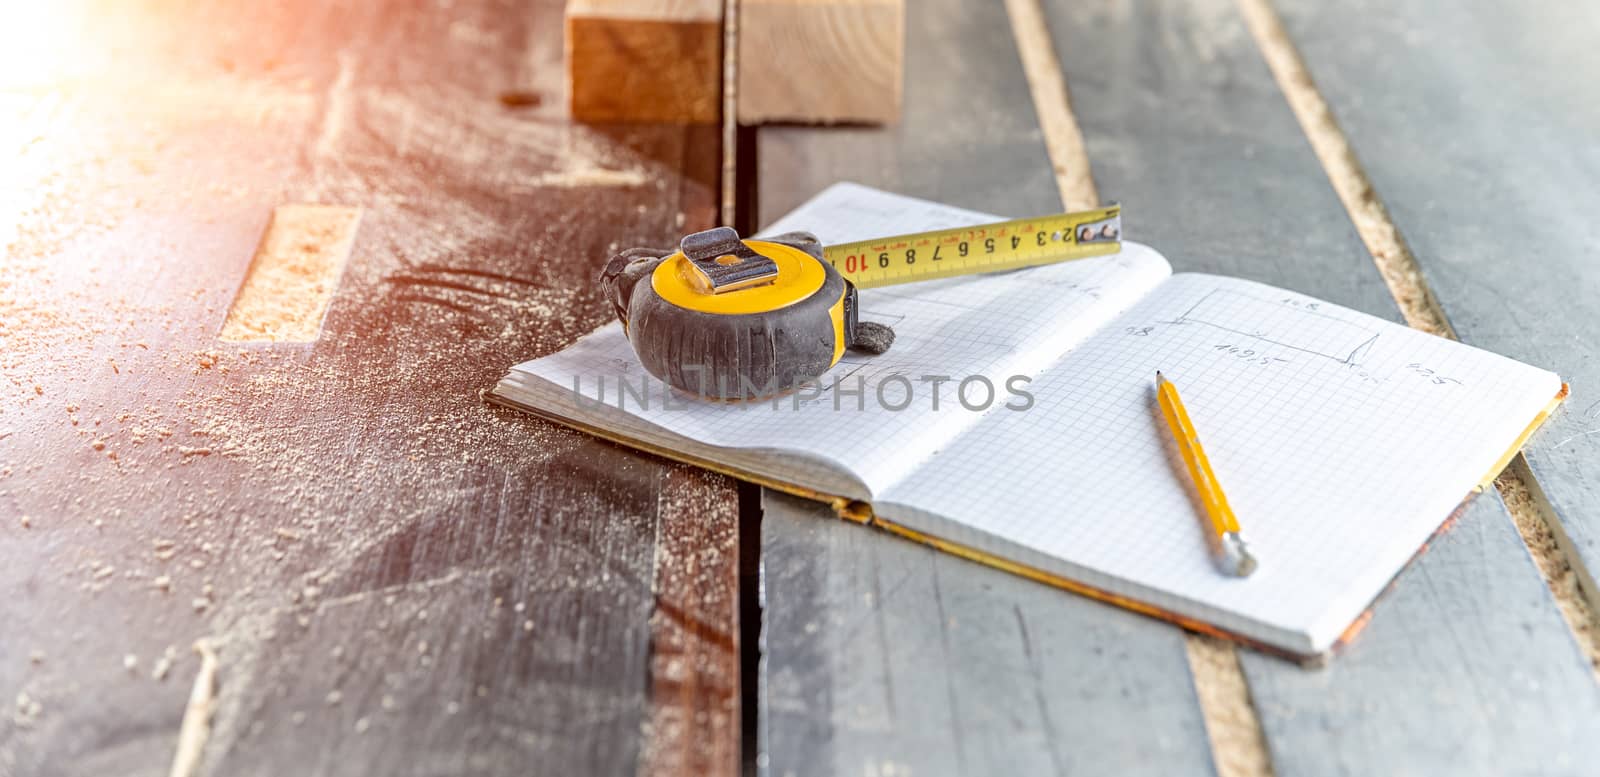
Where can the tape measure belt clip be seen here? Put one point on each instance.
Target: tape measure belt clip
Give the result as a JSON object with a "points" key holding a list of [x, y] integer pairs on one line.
{"points": [[784, 318], [722, 262]]}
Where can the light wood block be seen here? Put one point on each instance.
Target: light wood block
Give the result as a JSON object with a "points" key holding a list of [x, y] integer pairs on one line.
{"points": [[821, 61], [644, 60]]}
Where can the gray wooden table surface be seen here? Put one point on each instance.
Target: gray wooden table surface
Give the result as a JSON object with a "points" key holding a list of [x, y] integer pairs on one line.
{"points": [[400, 580], [880, 657], [396, 578], [1479, 128]]}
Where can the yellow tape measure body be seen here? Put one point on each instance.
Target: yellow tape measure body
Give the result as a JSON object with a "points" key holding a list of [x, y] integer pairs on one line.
{"points": [[1006, 245], [727, 318]]}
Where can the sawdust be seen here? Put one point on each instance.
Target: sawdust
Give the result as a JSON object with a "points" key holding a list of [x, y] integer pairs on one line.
{"points": [[693, 725], [51, 308], [1063, 140], [220, 411], [1551, 552], [293, 276], [163, 664], [1384, 242], [583, 174], [26, 711], [1238, 746]]}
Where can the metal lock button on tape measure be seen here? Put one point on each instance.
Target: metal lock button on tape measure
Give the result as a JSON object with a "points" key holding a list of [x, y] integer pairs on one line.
{"points": [[726, 318]]}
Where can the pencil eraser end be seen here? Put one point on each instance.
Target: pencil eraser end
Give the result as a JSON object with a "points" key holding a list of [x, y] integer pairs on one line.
{"points": [[1236, 556]]}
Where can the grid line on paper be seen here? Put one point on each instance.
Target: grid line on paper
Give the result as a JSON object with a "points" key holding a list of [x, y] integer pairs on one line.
{"points": [[1336, 477]]}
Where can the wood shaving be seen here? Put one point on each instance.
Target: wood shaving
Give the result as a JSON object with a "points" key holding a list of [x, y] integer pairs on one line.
{"points": [[163, 664], [28, 710], [196, 726]]}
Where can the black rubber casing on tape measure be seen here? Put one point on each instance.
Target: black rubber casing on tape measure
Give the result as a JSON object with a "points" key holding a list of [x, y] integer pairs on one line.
{"points": [[731, 356]]}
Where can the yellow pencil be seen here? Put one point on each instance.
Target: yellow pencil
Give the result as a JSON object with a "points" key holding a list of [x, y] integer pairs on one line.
{"points": [[1229, 542]]}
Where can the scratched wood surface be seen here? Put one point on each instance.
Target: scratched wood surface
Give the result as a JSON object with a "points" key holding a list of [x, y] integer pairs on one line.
{"points": [[398, 579], [886, 657], [1478, 130], [883, 656], [1466, 666]]}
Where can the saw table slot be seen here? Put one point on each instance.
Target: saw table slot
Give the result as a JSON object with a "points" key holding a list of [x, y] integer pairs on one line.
{"points": [[293, 276]]}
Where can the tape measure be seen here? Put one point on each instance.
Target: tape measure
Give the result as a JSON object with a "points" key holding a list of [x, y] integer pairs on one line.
{"points": [[1007, 245], [730, 319]]}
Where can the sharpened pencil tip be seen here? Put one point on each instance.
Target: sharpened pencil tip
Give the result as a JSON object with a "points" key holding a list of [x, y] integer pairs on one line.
{"points": [[1160, 378]]}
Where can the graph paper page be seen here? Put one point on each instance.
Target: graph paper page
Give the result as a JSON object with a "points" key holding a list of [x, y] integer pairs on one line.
{"points": [[1342, 441], [993, 326]]}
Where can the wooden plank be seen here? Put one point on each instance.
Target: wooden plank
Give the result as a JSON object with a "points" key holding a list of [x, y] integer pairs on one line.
{"points": [[694, 653], [888, 657], [395, 575], [1470, 125], [940, 149], [1185, 126], [883, 656], [644, 60], [822, 63], [1463, 670]]}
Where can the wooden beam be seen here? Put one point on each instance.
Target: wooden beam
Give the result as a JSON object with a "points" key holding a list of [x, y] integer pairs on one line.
{"points": [[644, 60], [838, 61]]}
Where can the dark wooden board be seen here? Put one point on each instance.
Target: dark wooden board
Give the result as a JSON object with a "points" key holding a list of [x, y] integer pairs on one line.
{"points": [[399, 579], [1477, 128], [1467, 656], [887, 657]]}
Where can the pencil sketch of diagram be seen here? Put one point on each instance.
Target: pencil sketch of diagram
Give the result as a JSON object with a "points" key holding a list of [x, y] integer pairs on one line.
{"points": [[1284, 323]]}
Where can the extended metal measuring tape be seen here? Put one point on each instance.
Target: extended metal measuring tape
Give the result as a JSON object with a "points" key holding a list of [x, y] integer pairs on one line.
{"points": [[726, 318]]}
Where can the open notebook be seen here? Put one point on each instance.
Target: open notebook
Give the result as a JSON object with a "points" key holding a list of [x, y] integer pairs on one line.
{"points": [[1343, 441]]}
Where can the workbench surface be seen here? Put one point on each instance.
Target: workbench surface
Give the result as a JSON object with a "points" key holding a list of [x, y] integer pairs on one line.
{"points": [[397, 579], [394, 578]]}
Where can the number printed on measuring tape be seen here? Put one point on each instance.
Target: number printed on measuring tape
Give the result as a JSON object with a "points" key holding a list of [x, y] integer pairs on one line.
{"points": [[1005, 245]]}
